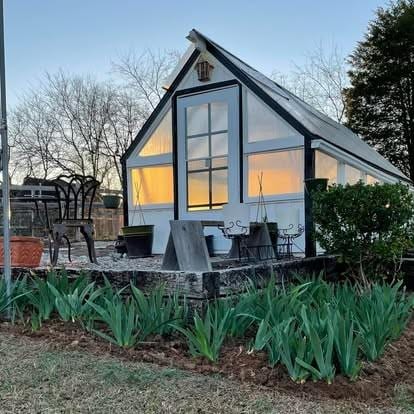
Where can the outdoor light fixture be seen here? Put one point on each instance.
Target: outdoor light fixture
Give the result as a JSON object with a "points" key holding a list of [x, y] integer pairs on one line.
{"points": [[204, 69]]}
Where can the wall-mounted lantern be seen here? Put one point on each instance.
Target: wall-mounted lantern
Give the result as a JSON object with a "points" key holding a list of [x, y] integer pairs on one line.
{"points": [[204, 69]]}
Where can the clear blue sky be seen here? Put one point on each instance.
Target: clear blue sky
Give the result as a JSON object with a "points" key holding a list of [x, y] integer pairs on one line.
{"points": [[84, 36]]}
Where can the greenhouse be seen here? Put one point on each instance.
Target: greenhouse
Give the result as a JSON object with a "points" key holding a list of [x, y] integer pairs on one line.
{"points": [[224, 133]]}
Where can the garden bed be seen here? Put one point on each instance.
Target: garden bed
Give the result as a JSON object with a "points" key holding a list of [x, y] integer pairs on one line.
{"points": [[378, 383]]}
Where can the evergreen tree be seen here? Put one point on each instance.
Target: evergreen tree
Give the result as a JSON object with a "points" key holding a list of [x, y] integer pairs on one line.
{"points": [[380, 100]]}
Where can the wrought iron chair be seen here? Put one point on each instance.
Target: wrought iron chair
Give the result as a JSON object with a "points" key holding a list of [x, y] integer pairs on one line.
{"points": [[75, 195], [287, 237], [236, 227]]}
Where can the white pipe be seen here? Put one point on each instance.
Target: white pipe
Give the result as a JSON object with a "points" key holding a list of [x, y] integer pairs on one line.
{"points": [[5, 162]]}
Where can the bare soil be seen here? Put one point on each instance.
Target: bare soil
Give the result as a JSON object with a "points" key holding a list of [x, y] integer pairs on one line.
{"points": [[376, 385]]}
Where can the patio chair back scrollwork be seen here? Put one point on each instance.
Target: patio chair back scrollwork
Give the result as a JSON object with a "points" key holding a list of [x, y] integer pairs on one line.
{"points": [[75, 195]]}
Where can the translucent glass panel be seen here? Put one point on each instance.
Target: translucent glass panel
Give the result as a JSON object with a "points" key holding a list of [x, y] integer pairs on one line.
{"points": [[152, 185], [160, 142], [198, 147], [198, 188], [219, 116], [219, 145], [326, 167], [282, 172], [372, 180], [263, 124], [219, 193], [207, 150], [352, 175], [197, 119]]}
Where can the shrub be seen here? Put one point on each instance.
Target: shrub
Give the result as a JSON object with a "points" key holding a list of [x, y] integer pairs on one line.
{"points": [[368, 226]]}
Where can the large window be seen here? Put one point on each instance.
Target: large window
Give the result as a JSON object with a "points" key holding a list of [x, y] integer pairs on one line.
{"points": [[282, 172], [160, 142], [264, 124], [207, 155], [326, 167], [152, 185]]}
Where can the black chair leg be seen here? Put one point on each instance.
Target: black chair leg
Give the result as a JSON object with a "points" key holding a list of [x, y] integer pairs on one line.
{"points": [[58, 233], [69, 247], [88, 233]]}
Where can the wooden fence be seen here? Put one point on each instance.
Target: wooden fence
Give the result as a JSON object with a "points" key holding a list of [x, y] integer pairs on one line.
{"points": [[25, 220]]}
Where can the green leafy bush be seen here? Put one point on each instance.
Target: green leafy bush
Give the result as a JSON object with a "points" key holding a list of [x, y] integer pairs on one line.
{"points": [[367, 226]]}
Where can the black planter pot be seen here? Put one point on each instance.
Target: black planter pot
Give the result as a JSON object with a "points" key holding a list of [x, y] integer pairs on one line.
{"points": [[138, 240], [112, 201], [210, 244], [273, 232]]}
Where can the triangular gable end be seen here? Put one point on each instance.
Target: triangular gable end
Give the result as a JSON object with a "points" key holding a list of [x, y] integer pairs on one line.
{"points": [[160, 141], [263, 123]]}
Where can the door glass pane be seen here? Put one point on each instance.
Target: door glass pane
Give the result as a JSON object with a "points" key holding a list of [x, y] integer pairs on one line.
{"points": [[199, 165], [219, 187], [218, 116], [198, 188], [219, 145], [219, 162], [197, 119], [197, 148]]}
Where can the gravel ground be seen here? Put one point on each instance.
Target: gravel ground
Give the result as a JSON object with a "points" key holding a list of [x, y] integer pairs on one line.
{"points": [[108, 259], [35, 377]]}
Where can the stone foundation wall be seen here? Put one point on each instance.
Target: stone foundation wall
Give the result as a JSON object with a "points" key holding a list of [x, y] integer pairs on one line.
{"points": [[208, 285]]}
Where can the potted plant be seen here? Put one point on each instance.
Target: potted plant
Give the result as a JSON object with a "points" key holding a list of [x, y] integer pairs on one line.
{"points": [[25, 251], [138, 238], [111, 201]]}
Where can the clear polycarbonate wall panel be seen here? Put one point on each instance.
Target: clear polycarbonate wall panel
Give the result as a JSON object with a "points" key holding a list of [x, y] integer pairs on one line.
{"points": [[282, 172], [160, 142], [372, 180], [326, 167], [352, 175], [152, 185], [264, 124]]}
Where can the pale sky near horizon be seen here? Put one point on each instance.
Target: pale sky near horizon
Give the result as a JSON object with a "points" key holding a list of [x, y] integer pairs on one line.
{"points": [[84, 36]]}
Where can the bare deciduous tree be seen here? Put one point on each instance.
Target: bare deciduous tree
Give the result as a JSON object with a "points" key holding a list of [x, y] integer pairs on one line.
{"points": [[145, 74], [77, 124], [319, 81]]}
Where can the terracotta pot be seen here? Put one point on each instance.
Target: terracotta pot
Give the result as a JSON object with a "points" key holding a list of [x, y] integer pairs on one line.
{"points": [[25, 251]]}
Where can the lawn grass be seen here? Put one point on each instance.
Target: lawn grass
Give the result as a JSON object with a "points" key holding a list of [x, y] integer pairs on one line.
{"points": [[36, 378]]}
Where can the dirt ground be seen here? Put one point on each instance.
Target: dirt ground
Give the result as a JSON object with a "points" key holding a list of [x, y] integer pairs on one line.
{"points": [[386, 386]]}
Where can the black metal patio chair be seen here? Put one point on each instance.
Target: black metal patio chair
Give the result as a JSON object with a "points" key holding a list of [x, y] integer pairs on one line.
{"points": [[75, 195]]}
